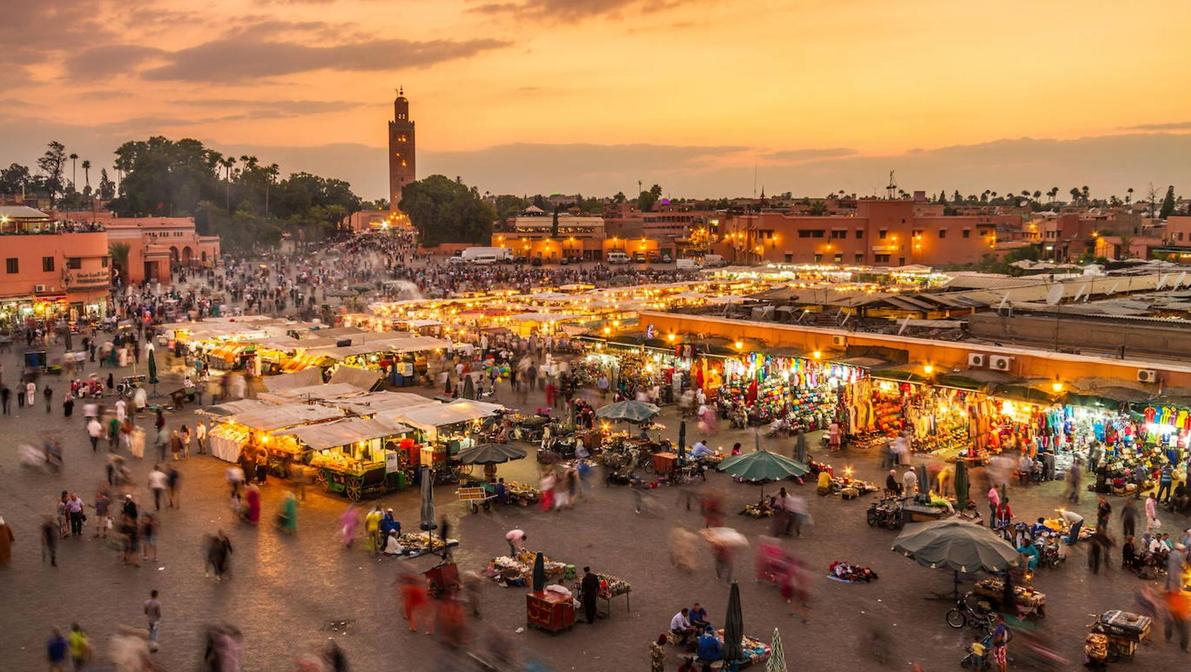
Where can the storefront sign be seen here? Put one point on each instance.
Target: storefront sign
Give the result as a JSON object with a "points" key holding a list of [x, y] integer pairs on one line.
{"points": [[79, 279]]}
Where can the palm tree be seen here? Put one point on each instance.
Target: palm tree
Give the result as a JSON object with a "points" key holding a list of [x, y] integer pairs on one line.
{"points": [[1128, 195], [1037, 194], [270, 174], [1075, 194], [87, 172], [1053, 193], [119, 254], [227, 164], [1086, 194], [74, 172]]}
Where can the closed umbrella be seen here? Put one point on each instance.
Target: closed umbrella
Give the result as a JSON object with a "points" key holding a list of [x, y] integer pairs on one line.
{"points": [[539, 573], [153, 370], [777, 655], [628, 411], [961, 484], [469, 388], [800, 446], [733, 629], [427, 521], [682, 441], [923, 481]]}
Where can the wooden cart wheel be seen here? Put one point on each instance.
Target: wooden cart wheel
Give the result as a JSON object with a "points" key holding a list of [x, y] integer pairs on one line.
{"points": [[320, 478], [353, 491]]}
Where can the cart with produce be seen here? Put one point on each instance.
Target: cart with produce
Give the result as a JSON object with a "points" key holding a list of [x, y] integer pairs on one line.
{"points": [[476, 498], [1029, 602]]}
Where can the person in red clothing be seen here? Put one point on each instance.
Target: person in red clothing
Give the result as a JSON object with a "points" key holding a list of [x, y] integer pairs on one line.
{"points": [[413, 599]]}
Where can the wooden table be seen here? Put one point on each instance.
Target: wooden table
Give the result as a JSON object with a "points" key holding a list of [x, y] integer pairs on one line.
{"points": [[549, 611]]}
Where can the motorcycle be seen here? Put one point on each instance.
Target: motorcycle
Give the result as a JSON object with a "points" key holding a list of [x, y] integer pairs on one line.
{"points": [[886, 513]]}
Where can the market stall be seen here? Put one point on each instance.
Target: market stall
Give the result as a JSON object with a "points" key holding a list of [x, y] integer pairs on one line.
{"points": [[255, 428], [355, 457], [444, 429]]}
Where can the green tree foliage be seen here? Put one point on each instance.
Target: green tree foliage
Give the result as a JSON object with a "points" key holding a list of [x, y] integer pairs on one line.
{"points": [[1167, 203], [107, 188], [447, 211], [647, 199], [243, 206], [508, 205], [51, 165]]}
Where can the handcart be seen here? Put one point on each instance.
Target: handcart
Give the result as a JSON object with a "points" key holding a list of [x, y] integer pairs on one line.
{"points": [[1115, 635], [442, 579], [476, 497]]}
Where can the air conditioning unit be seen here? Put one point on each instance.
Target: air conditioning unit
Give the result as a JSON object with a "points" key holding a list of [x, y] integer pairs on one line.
{"points": [[39, 289], [839, 341], [977, 360], [999, 362], [1147, 376]]}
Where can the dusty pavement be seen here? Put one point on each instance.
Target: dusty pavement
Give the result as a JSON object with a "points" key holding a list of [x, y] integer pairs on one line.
{"points": [[288, 595]]}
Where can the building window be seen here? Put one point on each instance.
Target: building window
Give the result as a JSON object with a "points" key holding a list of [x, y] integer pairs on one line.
{"points": [[811, 233], [789, 258], [860, 258], [881, 258], [12, 265], [839, 258], [916, 233], [859, 234], [967, 233], [882, 233], [74, 263], [839, 235], [942, 233], [818, 258], [104, 262], [47, 264]]}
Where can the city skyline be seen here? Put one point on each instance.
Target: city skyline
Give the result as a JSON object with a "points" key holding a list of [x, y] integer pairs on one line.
{"points": [[593, 95]]}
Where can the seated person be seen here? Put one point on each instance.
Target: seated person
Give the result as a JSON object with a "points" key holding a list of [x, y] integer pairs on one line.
{"points": [[680, 626], [1034, 555], [389, 524], [701, 451], [1129, 557], [893, 487], [392, 547], [1039, 528], [709, 649], [698, 616]]}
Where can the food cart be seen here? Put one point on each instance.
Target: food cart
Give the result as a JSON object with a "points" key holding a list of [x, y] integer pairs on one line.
{"points": [[355, 457], [444, 429]]}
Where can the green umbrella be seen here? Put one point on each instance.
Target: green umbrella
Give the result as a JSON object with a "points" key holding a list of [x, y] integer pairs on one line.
{"points": [[961, 484], [628, 411], [682, 440], [762, 465], [490, 453], [152, 368], [733, 630]]}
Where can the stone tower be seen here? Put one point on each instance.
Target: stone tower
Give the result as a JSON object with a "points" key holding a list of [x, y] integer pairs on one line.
{"points": [[401, 149]]}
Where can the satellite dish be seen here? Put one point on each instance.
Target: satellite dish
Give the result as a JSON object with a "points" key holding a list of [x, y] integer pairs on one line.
{"points": [[1054, 295]]}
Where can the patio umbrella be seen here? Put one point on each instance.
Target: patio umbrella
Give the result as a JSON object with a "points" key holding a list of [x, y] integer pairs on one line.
{"points": [[957, 545], [153, 370], [427, 521], [777, 655], [539, 573], [762, 465], [628, 411], [733, 629], [490, 453], [682, 441], [961, 483], [469, 388]]}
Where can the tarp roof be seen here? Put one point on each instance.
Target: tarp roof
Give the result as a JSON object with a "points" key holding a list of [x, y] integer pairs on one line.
{"points": [[360, 378], [286, 415], [232, 407], [286, 381], [345, 432], [381, 402], [441, 415], [318, 392]]}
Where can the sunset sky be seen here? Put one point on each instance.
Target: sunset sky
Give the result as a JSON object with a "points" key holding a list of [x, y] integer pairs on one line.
{"points": [[592, 95]]}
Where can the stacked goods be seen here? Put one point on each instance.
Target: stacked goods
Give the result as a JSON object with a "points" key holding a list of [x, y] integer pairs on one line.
{"points": [[993, 587]]}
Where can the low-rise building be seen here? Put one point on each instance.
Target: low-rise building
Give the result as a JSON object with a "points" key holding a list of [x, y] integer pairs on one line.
{"points": [[154, 245], [51, 268]]}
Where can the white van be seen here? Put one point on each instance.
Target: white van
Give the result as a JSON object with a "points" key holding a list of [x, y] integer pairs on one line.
{"points": [[686, 265], [484, 255], [714, 261], [617, 257]]}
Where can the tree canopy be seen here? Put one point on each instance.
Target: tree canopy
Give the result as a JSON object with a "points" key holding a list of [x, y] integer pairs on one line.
{"points": [[447, 211]]}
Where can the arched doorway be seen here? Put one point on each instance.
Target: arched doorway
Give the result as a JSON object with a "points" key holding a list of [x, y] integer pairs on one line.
{"points": [[173, 255], [187, 255], [204, 256]]}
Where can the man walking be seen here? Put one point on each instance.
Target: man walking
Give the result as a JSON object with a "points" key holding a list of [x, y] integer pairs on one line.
{"points": [[153, 615], [94, 433], [158, 482]]}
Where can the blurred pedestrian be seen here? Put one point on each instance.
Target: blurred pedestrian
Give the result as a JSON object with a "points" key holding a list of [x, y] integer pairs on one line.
{"points": [[80, 647], [152, 611], [56, 650], [6, 539]]}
